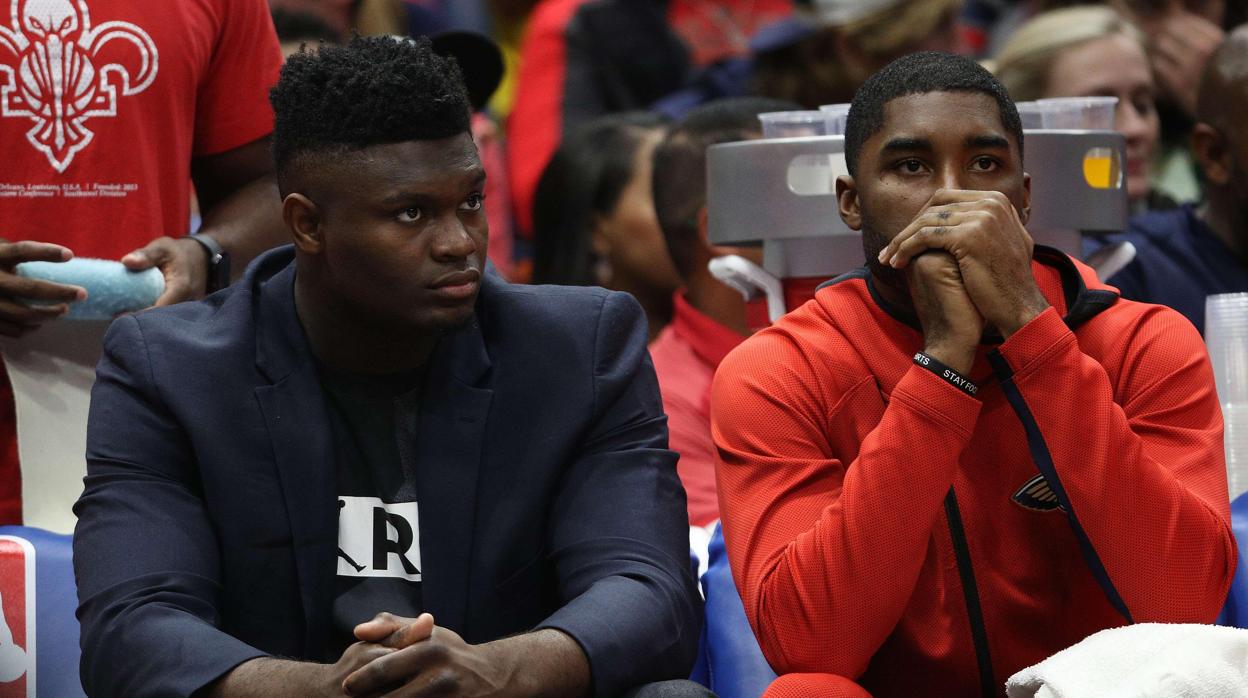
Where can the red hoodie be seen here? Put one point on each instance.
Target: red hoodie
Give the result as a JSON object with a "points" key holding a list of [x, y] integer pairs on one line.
{"points": [[884, 526]]}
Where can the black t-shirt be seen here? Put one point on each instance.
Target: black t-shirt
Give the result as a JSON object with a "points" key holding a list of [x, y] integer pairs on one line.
{"points": [[373, 419]]}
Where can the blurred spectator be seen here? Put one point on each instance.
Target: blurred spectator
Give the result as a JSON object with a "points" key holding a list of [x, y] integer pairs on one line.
{"points": [[189, 104], [1091, 51], [296, 28], [338, 15], [509, 20], [585, 58], [1182, 34], [853, 39], [708, 317], [345, 17], [987, 24], [1186, 254], [501, 20], [504, 21], [594, 214]]}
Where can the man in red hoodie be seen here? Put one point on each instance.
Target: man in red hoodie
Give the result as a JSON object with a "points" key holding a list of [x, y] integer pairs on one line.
{"points": [[970, 453]]}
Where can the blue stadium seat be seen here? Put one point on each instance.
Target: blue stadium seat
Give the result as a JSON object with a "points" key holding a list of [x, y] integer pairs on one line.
{"points": [[1235, 613], [734, 662], [46, 610]]}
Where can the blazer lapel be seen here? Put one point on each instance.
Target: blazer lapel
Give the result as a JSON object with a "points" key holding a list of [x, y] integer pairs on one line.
{"points": [[449, 440], [298, 426]]}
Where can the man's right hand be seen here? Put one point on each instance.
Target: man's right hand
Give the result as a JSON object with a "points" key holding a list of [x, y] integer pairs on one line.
{"points": [[1181, 45], [330, 680], [951, 324], [16, 316], [267, 676]]}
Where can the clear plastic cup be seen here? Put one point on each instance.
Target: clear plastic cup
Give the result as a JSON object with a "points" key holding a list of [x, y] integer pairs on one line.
{"points": [[1226, 334], [1078, 113], [791, 124], [836, 115], [1031, 114]]}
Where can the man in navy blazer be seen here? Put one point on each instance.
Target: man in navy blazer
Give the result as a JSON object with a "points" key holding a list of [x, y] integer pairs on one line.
{"points": [[372, 465]]}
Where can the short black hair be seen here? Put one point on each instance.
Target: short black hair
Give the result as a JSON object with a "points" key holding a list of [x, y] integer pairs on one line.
{"points": [[372, 91], [584, 178], [920, 73], [680, 166]]}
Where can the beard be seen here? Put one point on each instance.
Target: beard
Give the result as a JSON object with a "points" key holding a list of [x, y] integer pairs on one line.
{"points": [[872, 242]]}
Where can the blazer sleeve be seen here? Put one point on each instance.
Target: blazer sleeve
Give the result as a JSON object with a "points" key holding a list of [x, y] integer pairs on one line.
{"points": [[619, 534], [1138, 464], [145, 555]]}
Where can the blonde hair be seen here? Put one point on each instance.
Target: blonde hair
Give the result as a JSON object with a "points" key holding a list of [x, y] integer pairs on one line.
{"points": [[890, 30], [1024, 63]]}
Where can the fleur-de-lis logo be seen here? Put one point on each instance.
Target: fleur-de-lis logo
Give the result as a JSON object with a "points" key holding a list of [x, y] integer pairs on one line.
{"points": [[54, 79]]}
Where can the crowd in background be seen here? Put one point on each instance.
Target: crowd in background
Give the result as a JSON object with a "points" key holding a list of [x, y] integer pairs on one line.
{"points": [[587, 90], [592, 120], [587, 80]]}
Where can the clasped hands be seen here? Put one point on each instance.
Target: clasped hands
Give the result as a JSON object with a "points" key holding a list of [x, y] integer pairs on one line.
{"points": [[413, 657], [967, 260]]}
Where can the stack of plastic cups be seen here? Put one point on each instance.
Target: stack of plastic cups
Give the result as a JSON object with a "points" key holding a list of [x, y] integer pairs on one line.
{"points": [[1078, 113], [1031, 114], [793, 124], [808, 174], [836, 115], [1226, 334]]}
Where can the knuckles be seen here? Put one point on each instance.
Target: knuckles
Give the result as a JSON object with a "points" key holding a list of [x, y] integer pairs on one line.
{"points": [[446, 682], [438, 652]]}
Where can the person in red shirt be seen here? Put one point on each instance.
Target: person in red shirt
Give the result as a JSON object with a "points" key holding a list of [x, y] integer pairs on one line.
{"points": [[970, 453], [110, 110], [586, 58], [709, 318]]}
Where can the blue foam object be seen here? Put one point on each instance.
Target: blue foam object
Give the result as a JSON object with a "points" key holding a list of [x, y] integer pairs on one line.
{"points": [[111, 288]]}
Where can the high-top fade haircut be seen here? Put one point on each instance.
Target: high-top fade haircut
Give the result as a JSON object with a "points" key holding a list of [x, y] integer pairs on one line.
{"points": [[920, 73], [372, 91]]}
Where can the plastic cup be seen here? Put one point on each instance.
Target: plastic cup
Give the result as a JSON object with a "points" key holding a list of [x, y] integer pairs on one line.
{"points": [[1226, 334], [835, 115], [791, 124], [1078, 113], [1031, 114]]}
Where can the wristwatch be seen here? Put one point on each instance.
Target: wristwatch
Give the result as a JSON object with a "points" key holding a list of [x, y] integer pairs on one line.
{"points": [[218, 262]]}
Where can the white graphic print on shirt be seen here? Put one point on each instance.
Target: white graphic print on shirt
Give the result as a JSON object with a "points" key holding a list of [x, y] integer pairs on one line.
{"points": [[376, 539], [48, 73]]}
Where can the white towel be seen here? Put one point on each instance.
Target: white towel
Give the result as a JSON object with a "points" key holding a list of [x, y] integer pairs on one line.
{"points": [[1142, 661]]}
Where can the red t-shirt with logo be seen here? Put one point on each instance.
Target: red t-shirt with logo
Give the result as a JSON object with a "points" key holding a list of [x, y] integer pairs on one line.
{"points": [[145, 86], [103, 104]]}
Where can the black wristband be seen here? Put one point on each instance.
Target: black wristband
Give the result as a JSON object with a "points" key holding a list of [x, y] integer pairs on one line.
{"points": [[953, 377], [218, 262]]}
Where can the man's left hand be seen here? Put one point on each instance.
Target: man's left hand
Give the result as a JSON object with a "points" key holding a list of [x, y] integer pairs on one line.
{"points": [[183, 262], [983, 232], [439, 664]]}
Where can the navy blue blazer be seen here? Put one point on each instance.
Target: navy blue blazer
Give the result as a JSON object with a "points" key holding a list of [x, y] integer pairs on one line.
{"points": [[207, 531]]}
